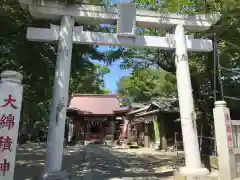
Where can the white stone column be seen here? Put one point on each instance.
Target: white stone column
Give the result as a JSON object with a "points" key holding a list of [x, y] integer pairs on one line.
{"points": [[11, 91], [53, 164], [223, 135], [186, 104]]}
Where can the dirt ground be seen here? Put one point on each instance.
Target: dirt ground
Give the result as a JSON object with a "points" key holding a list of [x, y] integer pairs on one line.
{"points": [[97, 162]]}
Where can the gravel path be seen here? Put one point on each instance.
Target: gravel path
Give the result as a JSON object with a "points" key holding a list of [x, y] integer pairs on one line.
{"points": [[106, 163], [30, 161], [93, 162]]}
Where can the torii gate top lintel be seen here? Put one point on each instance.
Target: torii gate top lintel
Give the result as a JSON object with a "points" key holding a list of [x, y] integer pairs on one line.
{"points": [[93, 15], [127, 17]]}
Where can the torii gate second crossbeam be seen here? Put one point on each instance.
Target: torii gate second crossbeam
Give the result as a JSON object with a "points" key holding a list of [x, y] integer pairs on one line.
{"points": [[67, 34]]}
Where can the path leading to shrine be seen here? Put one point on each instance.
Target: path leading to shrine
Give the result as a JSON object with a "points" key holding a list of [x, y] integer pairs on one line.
{"points": [[97, 162], [106, 163]]}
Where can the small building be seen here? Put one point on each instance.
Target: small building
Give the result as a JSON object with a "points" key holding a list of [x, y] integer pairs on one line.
{"points": [[95, 116], [155, 125]]}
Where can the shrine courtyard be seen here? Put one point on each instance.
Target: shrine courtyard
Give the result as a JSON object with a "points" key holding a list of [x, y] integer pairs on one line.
{"points": [[97, 162]]}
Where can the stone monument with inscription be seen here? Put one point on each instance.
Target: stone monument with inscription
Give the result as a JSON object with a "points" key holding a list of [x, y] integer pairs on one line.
{"points": [[224, 140], [10, 107]]}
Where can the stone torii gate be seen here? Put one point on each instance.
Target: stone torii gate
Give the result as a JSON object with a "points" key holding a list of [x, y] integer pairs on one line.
{"points": [[127, 18]]}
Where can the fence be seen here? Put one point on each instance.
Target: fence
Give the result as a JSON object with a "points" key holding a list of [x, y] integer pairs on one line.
{"points": [[206, 141], [236, 135], [236, 142]]}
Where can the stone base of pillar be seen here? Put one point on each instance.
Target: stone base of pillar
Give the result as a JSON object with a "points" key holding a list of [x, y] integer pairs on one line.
{"points": [[109, 143], [194, 174], [157, 145], [179, 177], [61, 175]]}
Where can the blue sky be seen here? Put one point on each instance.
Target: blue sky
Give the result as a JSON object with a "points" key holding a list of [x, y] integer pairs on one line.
{"points": [[116, 73]]}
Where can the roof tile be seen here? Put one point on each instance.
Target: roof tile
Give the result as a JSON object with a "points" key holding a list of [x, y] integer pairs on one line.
{"points": [[100, 104]]}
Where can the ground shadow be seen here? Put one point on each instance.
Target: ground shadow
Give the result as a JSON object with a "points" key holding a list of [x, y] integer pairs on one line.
{"points": [[93, 162], [30, 161], [122, 165]]}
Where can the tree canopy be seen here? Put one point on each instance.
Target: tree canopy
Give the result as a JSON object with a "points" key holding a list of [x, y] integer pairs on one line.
{"points": [[153, 69], [145, 83], [214, 75], [202, 69], [36, 61]]}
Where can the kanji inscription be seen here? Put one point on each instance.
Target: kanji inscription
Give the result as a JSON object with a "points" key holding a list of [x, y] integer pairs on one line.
{"points": [[4, 167], [59, 108], [230, 139], [229, 132], [10, 110], [5, 143], [7, 121], [9, 102], [227, 117], [228, 128]]}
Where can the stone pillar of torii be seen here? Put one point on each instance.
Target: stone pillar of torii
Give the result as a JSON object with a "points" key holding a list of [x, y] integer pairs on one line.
{"points": [[127, 18]]}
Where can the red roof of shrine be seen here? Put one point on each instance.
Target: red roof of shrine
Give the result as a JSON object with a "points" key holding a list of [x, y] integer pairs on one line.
{"points": [[100, 104]]}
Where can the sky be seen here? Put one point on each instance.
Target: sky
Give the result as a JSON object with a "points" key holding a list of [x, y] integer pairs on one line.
{"points": [[116, 73]]}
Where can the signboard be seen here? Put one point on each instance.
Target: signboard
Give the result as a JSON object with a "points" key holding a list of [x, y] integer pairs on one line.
{"points": [[10, 107], [96, 120], [229, 131]]}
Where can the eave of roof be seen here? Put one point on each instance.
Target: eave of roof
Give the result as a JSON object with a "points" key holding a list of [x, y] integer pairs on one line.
{"points": [[78, 111], [164, 105], [167, 104], [139, 110], [123, 110], [147, 113], [91, 95], [138, 105]]}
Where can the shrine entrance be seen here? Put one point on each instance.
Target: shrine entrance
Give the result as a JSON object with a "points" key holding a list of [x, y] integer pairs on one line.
{"points": [[95, 123], [127, 17], [97, 128]]}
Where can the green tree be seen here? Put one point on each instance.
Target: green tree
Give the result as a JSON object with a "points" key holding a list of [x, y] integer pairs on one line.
{"points": [[201, 64], [204, 75], [89, 81], [36, 61], [147, 83]]}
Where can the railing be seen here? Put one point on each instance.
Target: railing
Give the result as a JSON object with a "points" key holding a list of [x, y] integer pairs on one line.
{"points": [[236, 142], [204, 143], [236, 135], [109, 138]]}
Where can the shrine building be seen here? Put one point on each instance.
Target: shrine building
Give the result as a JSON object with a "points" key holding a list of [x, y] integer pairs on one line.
{"points": [[96, 117]]}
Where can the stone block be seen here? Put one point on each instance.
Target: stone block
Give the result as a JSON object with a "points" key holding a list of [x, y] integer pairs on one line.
{"points": [[180, 177], [213, 162], [61, 175]]}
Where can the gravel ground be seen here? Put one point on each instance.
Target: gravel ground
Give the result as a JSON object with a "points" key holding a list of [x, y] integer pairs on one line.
{"points": [[106, 163], [30, 161], [96, 162]]}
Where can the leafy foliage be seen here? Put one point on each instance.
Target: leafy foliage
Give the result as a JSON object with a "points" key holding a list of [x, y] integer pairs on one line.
{"points": [[144, 84], [202, 65], [36, 61]]}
